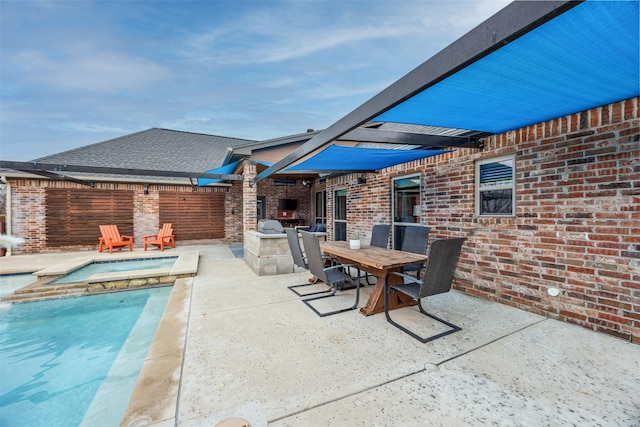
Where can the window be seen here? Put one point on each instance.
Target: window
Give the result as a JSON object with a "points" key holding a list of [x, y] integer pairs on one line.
{"points": [[321, 208], [340, 215], [495, 186], [406, 206], [262, 203]]}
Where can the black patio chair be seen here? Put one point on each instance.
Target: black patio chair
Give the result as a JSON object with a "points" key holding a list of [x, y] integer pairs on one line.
{"points": [[438, 276], [415, 240], [334, 275], [299, 260], [380, 235], [379, 239]]}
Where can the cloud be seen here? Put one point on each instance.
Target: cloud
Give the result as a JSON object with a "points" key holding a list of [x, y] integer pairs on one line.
{"points": [[81, 72], [278, 34], [87, 68]]}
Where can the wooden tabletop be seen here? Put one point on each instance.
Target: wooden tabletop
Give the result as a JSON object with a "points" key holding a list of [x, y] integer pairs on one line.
{"points": [[377, 261], [371, 256]]}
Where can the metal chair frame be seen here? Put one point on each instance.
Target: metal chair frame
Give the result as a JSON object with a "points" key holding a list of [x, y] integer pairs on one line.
{"points": [[332, 276], [299, 259], [379, 239], [415, 242], [438, 276]]}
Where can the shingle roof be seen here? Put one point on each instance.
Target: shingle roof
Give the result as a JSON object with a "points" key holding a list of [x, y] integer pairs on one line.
{"points": [[155, 149]]}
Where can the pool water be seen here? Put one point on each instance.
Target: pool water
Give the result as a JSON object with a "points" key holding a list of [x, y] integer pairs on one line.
{"points": [[13, 282], [114, 266], [75, 361]]}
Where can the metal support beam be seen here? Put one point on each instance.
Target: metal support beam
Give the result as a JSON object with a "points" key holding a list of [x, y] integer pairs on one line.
{"points": [[513, 21], [59, 177], [362, 134], [40, 168]]}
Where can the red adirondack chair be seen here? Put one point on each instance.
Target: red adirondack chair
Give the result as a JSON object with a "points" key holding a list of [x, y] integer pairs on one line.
{"points": [[164, 238], [111, 238]]}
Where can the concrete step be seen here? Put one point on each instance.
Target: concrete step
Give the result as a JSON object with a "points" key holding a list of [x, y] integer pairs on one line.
{"points": [[49, 288], [39, 293]]}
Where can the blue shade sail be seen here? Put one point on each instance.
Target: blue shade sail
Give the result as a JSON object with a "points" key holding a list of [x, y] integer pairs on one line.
{"points": [[223, 170], [584, 58], [337, 158]]}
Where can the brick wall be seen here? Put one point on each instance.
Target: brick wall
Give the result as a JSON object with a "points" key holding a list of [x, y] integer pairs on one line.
{"points": [[273, 193], [233, 213], [577, 222]]}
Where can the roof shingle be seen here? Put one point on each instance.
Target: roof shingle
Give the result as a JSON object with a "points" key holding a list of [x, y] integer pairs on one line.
{"points": [[155, 149]]}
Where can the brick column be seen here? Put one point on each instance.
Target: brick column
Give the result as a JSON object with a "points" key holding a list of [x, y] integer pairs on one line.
{"points": [[249, 198]]}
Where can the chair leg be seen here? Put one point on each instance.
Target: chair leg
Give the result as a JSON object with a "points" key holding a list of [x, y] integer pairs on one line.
{"points": [[453, 327], [366, 279], [334, 289], [314, 282]]}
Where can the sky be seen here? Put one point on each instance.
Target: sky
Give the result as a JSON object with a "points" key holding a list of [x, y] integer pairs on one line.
{"points": [[77, 72]]}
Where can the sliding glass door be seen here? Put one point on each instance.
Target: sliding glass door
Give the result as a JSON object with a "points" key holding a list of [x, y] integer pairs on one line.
{"points": [[340, 214], [405, 206], [321, 208]]}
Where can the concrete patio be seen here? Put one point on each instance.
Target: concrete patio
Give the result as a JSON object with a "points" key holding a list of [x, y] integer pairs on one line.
{"points": [[233, 344]]}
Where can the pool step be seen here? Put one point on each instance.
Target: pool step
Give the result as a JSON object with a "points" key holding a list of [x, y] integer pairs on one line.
{"points": [[37, 293]]}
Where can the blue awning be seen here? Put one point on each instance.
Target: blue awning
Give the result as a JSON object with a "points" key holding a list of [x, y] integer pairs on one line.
{"points": [[531, 62], [223, 170], [584, 58], [337, 159]]}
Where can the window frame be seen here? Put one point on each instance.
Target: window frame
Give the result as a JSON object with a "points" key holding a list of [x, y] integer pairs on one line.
{"points": [[503, 186], [336, 234], [320, 207], [399, 227]]}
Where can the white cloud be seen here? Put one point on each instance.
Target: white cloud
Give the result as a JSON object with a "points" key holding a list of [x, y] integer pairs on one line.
{"points": [[87, 68], [80, 72], [277, 35]]}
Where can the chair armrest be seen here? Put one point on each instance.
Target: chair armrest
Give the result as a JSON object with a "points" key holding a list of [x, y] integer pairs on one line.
{"points": [[331, 258], [404, 276], [333, 267], [127, 237]]}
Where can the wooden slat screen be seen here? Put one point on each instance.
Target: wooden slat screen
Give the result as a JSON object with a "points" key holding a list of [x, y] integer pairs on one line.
{"points": [[73, 215], [194, 216]]}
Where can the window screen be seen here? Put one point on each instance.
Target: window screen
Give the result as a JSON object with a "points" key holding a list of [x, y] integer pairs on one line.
{"points": [[495, 186]]}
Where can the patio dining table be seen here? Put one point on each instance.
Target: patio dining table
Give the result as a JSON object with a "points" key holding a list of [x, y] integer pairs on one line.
{"points": [[377, 262]]}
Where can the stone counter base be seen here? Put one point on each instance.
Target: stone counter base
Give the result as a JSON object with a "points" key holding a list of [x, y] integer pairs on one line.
{"points": [[267, 254]]}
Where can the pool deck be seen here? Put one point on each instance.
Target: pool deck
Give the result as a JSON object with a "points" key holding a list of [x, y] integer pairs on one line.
{"points": [[233, 344]]}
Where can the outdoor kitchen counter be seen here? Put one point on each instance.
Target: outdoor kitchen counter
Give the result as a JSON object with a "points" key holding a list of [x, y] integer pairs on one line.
{"points": [[268, 254]]}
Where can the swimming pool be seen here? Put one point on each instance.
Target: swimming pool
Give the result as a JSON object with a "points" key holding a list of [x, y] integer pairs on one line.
{"points": [[75, 361], [96, 267], [11, 282]]}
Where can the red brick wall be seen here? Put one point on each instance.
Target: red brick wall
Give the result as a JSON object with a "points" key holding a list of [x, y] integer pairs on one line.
{"points": [[274, 193], [577, 222], [233, 213]]}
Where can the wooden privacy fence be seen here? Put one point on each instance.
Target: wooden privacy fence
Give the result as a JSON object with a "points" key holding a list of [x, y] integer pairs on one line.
{"points": [[194, 216]]}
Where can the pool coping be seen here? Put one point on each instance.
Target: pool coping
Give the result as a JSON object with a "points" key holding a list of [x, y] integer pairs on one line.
{"points": [[154, 399], [185, 265], [66, 267]]}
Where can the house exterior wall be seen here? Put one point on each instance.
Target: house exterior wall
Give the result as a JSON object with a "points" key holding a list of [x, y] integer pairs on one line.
{"points": [[273, 193], [233, 219], [577, 221], [28, 211]]}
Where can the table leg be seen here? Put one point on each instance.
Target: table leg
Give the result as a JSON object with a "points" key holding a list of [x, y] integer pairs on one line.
{"points": [[375, 304]]}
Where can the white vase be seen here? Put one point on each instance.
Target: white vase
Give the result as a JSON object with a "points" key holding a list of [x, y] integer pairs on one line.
{"points": [[354, 244]]}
